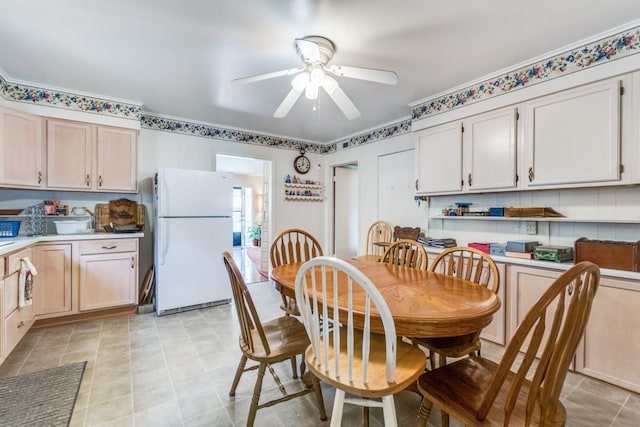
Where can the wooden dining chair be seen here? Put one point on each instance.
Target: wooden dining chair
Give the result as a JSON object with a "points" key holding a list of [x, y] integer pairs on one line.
{"points": [[406, 233], [350, 357], [291, 246], [517, 391], [379, 231], [469, 264], [408, 253], [267, 343]]}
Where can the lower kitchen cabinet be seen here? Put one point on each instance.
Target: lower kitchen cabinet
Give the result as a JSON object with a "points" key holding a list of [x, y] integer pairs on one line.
{"points": [[495, 332], [108, 273], [53, 282], [611, 340], [15, 320]]}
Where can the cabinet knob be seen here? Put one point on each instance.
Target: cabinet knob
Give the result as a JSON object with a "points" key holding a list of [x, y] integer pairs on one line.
{"points": [[109, 247], [133, 264], [39, 177], [21, 324], [87, 180], [570, 289], [469, 180], [416, 184], [531, 174], [99, 180]]}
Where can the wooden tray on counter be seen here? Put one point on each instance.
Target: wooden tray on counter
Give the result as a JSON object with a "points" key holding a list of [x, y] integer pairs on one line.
{"points": [[103, 217]]}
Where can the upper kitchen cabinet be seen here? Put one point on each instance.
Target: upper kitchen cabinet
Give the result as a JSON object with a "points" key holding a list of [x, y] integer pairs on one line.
{"points": [[22, 148], [439, 159], [489, 150], [472, 155], [70, 151], [572, 138], [83, 156], [117, 159]]}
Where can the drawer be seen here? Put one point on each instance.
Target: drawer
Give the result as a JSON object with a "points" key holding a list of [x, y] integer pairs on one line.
{"points": [[13, 260], [108, 246], [11, 293], [16, 326]]}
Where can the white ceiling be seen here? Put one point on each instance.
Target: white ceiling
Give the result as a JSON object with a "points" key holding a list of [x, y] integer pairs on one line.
{"points": [[178, 58]]}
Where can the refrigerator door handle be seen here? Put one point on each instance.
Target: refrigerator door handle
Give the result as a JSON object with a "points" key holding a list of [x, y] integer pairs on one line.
{"points": [[163, 243]]}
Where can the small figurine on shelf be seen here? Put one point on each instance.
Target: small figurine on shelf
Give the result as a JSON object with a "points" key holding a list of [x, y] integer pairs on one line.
{"points": [[295, 179], [287, 180]]}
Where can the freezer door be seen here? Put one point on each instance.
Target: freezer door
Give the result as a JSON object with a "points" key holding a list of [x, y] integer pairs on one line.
{"points": [[188, 261], [185, 192]]}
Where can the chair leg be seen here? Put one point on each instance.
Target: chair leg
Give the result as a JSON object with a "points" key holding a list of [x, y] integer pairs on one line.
{"points": [[239, 371], [338, 406], [424, 412], [319, 398], [389, 409], [294, 367], [285, 304], [444, 419], [255, 399], [365, 416]]}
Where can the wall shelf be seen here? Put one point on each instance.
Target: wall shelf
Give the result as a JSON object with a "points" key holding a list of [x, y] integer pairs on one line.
{"points": [[536, 219], [303, 191]]}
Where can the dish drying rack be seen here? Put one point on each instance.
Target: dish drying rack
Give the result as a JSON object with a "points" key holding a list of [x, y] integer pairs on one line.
{"points": [[35, 220]]}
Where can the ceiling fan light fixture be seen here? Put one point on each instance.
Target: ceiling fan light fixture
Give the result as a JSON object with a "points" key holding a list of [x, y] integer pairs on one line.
{"points": [[311, 92], [300, 82], [316, 76]]}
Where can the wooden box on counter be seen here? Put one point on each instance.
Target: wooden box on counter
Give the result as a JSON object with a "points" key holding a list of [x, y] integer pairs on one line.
{"points": [[611, 254]]}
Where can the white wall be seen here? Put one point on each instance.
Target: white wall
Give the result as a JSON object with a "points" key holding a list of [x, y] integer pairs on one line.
{"points": [[164, 149], [367, 156]]}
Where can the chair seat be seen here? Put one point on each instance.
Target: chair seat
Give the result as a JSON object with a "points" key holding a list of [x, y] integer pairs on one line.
{"points": [[470, 377], [286, 336], [410, 363]]}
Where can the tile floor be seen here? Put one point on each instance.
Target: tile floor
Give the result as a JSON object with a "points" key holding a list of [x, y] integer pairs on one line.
{"points": [[176, 370]]}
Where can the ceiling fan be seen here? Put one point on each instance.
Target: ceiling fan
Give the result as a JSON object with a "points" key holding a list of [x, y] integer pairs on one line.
{"points": [[316, 52]]}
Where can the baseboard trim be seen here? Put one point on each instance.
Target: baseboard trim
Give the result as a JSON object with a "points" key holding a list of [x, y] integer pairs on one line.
{"points": [[79, 317]]}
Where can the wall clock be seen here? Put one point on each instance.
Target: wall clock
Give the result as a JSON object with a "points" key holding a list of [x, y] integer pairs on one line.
{"points": [[301, 164]]}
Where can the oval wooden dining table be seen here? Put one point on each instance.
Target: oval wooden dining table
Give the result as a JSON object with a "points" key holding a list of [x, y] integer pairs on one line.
{"points": [[422, 303]]}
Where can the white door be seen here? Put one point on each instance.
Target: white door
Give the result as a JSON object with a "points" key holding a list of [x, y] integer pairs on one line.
{"points": [[189, 266], [396, 189], [345, 211]]}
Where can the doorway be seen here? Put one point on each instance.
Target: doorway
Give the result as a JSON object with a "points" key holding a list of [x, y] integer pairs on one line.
{"points": [[345, 210], [252, 186]]}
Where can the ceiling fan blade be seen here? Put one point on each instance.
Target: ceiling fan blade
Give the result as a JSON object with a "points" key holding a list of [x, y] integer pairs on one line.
{"points": [[265, 76], [287, 103], [379, 76], [309, 50], [341, 99]]}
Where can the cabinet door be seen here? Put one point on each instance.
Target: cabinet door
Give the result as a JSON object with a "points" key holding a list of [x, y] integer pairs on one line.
{"points": [[489, 149], [526, 286], [611, 341], [53, 282], [69, 155], [495, 331], [117, 159], [573, 137], [107, 280], [439, 159], [22, 149]]}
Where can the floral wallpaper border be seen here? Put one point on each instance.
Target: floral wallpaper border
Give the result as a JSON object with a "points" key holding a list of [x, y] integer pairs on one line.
{"points": [[71, 101], [599, 52], [208, 131]]}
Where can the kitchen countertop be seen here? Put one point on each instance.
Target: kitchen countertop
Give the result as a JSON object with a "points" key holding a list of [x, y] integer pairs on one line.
{"points": [[560, 266], [20, 242]]}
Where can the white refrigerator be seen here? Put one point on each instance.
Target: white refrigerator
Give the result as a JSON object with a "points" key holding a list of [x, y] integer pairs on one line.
{"points": [[193, 227]]}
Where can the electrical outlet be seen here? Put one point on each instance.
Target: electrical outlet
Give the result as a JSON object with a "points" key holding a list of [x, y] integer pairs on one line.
{"points": [[531, 227]]}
